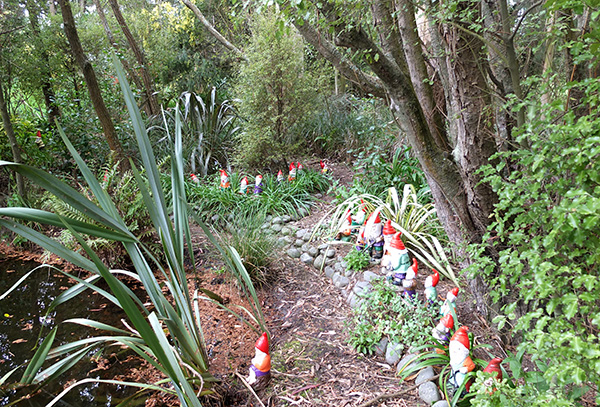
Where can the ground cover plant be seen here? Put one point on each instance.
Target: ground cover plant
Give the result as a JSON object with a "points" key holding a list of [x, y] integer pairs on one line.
{"points": [[165, 332], [383, 312]]}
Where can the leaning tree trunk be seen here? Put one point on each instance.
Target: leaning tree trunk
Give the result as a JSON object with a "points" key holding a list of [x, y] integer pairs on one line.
{"points": [[92, 84], [139, 56], [12, 140]]}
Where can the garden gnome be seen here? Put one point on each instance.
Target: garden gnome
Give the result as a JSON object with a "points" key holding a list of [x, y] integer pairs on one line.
{"points": [[441, 332], [258, 185], [195, 179], [374, 236], [224, 180], [358, 219], [388, 234], [279, 176], [38, 140], [292, 173], [360, 239], [493, 367], [244, 186], [399, 260], [345, 232], [324, 167], [430, 287], [460, 361], [409, 283], [260, 370], [299, 166], [450, 302]]}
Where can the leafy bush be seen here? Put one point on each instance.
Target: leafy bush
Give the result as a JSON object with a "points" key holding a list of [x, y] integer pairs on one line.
{"points": [[384, 312], [357, 260], [545, 231]]}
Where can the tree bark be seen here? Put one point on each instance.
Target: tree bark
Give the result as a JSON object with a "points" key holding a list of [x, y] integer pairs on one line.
{"points": [[12, 140], [113, 42], [52, 108], [139, 56], [92, 84]]}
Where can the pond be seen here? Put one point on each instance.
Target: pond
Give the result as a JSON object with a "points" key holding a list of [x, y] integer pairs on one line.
{"points": [[23, 325]]}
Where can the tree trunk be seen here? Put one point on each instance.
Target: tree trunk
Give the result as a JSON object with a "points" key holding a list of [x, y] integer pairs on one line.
{"points": [[44, 66], [12, 140], [139, 56], [111, 39], [92, 84]]}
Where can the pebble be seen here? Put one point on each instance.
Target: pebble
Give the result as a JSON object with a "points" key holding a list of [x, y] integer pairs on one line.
{"points": [[319, 260], [286, 231], [342, 282], [428, 392], [329, 271], [330, 253], [380, 348], [405, 360], [264, 225], [441, 403], [293, 253], [306, 236], [313, 251], [288, 239], [362, 287], [370, 276], [303, 212], [269, 218], [286, 218], [425, 375], [300, 233], [323, 247], [335, 277], [276, 220], [299, 242], [305, 247], [306, 258], [281, 242], [276, 227], [215, 218], [393, 352], [338, 267], [348, 273]]}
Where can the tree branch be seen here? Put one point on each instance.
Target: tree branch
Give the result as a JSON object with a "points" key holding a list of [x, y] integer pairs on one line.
{"points": [[516, 30], [212, 30]]}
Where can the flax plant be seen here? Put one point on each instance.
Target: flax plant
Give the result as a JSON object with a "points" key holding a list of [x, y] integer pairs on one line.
{"points": [[166, 333], [417, 222]]}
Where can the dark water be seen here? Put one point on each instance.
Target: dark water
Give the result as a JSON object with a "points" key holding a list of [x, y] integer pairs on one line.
{"points": [[23, 325]]}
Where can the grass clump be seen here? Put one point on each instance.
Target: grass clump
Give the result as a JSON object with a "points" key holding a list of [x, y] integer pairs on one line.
{"points": [[357, 260]]}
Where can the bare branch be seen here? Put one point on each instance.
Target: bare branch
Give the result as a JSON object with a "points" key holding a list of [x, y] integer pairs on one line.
{"points": [[516, 30]]}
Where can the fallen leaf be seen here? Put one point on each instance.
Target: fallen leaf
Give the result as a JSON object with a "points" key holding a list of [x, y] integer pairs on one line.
{"points": [[19, 340]]}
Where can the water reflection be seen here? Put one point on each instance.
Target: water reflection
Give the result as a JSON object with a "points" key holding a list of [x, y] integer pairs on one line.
{"points": [[23, 324]]}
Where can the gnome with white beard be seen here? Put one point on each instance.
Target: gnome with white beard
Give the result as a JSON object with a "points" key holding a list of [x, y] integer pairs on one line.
{"points": [[258, 187], [399, 262], [460, 361], [224, 180], [374, 236]]}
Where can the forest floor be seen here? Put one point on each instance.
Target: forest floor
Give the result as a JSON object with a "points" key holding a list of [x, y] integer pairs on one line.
{"points": [[312, 363]]}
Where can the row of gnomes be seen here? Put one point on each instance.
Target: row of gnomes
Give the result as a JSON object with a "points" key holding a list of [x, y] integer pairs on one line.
{"points": [[458, 346], [258, 186]]}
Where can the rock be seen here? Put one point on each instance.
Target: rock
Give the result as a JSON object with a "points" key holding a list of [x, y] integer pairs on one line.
{"points": [[299, 243], [441, 403], [381, 347], [335, 277], [348, 273], [338, 267], [425, 375], [344, 264], [268, 218], [361, 288], [318, 195], [345, 294], [393, 352], [318, 263], [305, 247], [407, 360], [300, 233], [286, 218], [286, 231], [307, 236], [276, 220], [264, 226], [293, 253], [276, 227], [370, 276], [323, 247], [313, 251], [288, 239], [281, 242], [330, 253], [329, 272], [356, 301], [214, 218], [306, 258], [303, 212], [428, 392], [342, 282]]}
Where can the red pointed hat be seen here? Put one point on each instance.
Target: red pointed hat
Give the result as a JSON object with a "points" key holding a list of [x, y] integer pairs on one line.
{"points": [[388, 229], [435, 278], [454, 291], [415, 265], [262, 344], [292, 166], [494, 366], [279, 173], [245, 179], [377, 218], [461, 336], [223, 172], [322, 164], [448, 321], [397, 243]]}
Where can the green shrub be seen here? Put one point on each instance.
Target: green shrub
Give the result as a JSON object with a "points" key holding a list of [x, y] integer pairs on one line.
{"points": [[384, 312], [357, 260]]}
